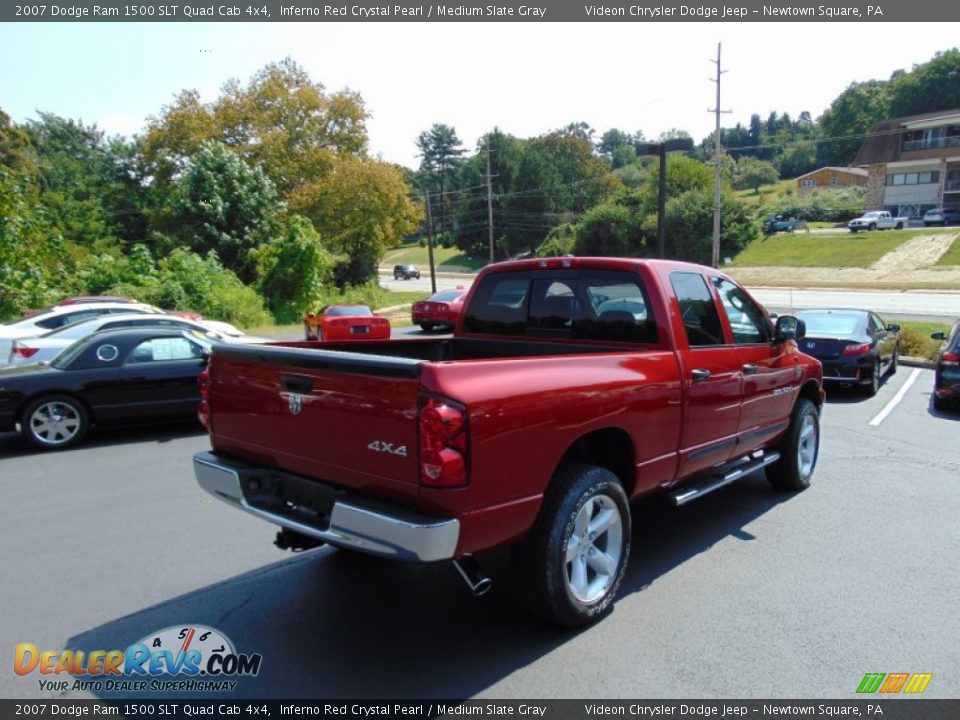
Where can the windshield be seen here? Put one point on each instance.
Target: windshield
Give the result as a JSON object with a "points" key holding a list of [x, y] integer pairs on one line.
{"points": [[831, 323], [446, 295]]}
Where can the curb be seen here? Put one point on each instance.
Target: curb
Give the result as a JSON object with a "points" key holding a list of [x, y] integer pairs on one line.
{"points": [[917, 362]]}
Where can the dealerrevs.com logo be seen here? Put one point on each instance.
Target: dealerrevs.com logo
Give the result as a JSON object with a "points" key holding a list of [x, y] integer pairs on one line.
{"points": [[180, 658]]}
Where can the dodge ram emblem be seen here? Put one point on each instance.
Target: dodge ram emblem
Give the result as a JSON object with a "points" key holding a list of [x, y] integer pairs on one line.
{"points": [[295, 403]]}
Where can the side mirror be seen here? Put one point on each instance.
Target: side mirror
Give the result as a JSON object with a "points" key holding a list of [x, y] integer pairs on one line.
{"points": [[938, 336], [789, 328], [893, 327]]}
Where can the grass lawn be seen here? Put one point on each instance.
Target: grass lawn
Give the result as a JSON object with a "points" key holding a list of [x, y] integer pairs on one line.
{"points": [[768, 194], [445, 259], [951, 256], [840, 249]]}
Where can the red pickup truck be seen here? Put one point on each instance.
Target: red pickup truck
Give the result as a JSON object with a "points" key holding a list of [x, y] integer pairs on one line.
{"points": [[571, 387]]}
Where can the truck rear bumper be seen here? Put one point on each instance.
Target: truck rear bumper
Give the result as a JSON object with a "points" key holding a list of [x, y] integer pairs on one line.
{"points": [[372, 528]]}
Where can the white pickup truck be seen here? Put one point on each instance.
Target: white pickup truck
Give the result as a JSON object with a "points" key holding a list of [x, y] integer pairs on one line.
{"points": [[878, 220]]}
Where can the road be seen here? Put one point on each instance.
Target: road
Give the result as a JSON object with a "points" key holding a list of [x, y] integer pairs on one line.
{"points": [[919, 304], [745, 593]]}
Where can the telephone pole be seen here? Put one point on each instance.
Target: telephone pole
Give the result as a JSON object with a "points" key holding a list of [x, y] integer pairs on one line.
{"points": [[715, 258], [433, 275], [489, 200]]}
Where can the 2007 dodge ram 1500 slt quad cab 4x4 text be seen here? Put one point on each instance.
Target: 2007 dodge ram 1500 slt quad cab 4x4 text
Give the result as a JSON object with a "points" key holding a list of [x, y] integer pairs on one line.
{"points": [[571, 386]]}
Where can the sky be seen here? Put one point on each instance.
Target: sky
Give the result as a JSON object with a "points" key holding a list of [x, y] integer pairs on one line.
{"points": [[524, 78]]}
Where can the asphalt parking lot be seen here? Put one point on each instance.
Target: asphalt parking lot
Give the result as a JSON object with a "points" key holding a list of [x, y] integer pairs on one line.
{"points": [[746, 593]]}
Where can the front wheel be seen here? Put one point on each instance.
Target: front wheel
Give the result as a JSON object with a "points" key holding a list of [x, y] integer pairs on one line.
{"points": [[899, 226], [798, 450], [55, 422], [873, 226], [568, 569], [894, 362]]}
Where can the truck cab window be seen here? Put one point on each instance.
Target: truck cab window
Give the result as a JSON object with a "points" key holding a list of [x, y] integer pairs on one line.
{"points": [[750, 326], [700, 318]]}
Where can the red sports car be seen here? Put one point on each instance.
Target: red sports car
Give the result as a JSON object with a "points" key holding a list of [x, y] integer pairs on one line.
{"points": [[439, 310], [346, 322]]}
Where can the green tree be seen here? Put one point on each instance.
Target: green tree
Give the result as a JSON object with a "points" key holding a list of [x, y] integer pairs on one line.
{"points": [[610, 229], [849, 120], [16, 152], [226, 206], [30, 249], [440, 156], [293, 269], [931, 86], [689, 222], [749, 172], [361, 209], [280, 121], [797, 158]]}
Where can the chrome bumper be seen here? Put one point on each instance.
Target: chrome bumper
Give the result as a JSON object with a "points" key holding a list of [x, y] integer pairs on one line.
{"points": [[401, 535]]}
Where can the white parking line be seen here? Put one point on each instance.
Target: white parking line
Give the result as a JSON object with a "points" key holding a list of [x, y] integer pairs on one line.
{"points": [[882, 415]]}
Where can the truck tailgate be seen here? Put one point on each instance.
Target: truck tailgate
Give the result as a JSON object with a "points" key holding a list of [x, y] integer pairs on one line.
{"points": [[344, 418]]}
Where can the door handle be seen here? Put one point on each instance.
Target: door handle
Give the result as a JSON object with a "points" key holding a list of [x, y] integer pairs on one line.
{"points": [[699, 375], [750, 369]]}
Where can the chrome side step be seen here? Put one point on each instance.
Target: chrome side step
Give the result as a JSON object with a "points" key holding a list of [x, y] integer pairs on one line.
{"points": [[689, 493]]}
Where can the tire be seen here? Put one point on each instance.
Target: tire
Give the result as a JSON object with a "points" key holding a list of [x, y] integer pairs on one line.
{"points": [[873, 226], [874, 387], [561, 590], [899, 226], [798, 450], [853, 230], [54, 422], [894, 362], [940, 404], [426, 326]]}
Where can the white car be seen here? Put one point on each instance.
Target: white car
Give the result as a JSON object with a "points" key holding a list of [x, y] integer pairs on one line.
{"points": [[57, 317], [44, 348]]}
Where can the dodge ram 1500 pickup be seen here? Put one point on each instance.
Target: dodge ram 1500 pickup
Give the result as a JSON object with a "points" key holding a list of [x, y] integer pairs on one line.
{"points": [[571, 387]]}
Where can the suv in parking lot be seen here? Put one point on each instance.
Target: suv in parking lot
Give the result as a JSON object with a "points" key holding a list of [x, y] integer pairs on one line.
{"points": [[406, 272]]}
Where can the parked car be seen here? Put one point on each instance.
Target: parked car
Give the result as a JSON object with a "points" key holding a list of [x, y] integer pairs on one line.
{"points": [[127, 375], [941, 216], [81, 300], [878, 220], [406, 272], [46, 347], [570, 387], [346, 322], [855, 346], [439, 310], [57, 317], [778, 223], [946, 382]]}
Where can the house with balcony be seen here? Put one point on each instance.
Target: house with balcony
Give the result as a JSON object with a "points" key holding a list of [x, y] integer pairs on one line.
{"points": [[913, 163]]}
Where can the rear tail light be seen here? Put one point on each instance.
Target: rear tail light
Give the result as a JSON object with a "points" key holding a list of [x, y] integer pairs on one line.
{"points": [[950, 358], [203, 409], [380, 321], [443, 443], [22, 351], [857, 349]]}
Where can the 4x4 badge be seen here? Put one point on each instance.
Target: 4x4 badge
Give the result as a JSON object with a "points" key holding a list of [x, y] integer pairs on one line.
{"points": [[295, 402]]}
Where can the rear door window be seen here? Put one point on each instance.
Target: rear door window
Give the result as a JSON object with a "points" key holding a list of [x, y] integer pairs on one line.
{"points": [[499, 306]]}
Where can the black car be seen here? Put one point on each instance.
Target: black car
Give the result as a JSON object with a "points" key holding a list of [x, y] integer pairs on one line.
{"points": [[406, 272], [116, 376], [855, 346], [946, 382]]}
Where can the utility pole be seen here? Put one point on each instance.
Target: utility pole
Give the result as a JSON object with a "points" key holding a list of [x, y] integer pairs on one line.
{"points": [[489, 200], [433, 275], [715, 259]]}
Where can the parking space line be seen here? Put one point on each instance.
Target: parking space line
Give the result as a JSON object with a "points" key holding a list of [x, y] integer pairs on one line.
{"points": [[882, 415]]}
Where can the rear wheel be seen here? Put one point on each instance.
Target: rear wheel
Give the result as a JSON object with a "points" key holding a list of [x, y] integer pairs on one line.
{"points": [[426, 326], [899, 226], [894, 361], [55, 422], [568, 569], [873, 226], [940, 403], [798, 450]]}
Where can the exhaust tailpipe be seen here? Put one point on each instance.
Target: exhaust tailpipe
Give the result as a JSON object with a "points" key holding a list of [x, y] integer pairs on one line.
{"points": [[469, 570]]}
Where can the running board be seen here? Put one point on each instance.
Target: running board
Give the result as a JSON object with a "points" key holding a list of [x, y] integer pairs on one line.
{"points": [[689, 493]]}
